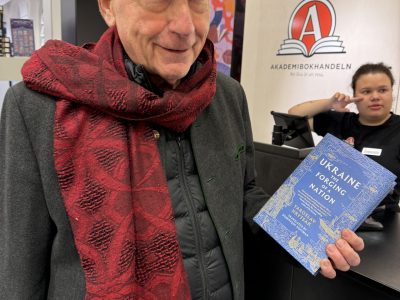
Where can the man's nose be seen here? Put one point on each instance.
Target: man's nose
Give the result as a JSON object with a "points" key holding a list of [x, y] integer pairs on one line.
{"points": [[181, 21]]}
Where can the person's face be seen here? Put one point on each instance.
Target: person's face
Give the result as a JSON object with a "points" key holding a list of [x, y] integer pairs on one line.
{"points": [[165, 36], [376, 91]]}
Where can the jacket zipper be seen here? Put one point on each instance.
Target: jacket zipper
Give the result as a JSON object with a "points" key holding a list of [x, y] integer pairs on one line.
{"points": [[193, 215]]}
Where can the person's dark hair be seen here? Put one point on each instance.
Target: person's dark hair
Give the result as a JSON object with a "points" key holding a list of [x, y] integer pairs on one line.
{"points": [[371, 68]]}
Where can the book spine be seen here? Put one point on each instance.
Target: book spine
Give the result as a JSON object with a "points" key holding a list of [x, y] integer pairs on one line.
{"points": [[3, 43], [1, 16], [6, 49], [1, 22]]}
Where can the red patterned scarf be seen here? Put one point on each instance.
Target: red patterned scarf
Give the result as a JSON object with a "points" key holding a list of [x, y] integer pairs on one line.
{"points": [[109, 169]]}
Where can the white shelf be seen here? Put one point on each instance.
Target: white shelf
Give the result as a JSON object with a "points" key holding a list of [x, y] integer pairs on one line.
{"points": [[10, 68]]}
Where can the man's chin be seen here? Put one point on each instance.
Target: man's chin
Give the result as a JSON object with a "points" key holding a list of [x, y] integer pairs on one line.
{"points": [[173, 78]]}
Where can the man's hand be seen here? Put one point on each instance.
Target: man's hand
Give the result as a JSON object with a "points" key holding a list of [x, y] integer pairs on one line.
{"points": [[339, 101], [343, 254]]}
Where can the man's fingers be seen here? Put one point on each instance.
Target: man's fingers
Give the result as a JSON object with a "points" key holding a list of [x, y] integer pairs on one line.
{"points": [[337, 257], [352, 258], [327, 269], [353, 239]]}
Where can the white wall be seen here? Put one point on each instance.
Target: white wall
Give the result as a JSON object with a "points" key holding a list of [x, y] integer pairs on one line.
{"points": [[369, 31]]}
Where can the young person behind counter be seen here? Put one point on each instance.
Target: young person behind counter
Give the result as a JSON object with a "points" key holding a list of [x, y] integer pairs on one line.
{"points": [[374, 130]]}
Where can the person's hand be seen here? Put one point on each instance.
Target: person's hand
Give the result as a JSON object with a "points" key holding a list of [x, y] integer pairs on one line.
{"points": [[343, 254], [340, 101]]}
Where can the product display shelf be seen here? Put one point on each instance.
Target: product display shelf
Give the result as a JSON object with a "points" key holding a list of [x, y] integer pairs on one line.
{"points": [[10, 67]]}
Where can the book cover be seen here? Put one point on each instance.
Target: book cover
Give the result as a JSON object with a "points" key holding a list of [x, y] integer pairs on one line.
{"points": [[334, 187], [22, 37]]}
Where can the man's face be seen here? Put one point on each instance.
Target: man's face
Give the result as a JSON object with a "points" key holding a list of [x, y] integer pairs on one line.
{"points": [[165, 36]]}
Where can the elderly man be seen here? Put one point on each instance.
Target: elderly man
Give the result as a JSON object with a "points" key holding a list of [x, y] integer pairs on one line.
{"points": [[128, 166]]}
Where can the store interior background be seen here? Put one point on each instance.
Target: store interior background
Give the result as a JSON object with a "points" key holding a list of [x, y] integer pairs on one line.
{"points": [[254, 31], [369, 30]]}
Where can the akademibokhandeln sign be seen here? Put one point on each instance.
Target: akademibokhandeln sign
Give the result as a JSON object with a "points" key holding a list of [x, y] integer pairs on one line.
{"points": [[311, 30], [296, 50]]}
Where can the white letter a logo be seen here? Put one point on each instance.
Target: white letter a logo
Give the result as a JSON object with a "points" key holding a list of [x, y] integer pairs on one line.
{"points": [[313, 15]]}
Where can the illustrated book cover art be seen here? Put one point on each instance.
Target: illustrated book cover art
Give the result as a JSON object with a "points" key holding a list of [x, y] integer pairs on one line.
{"points": [[334, 187], [22, 34]]}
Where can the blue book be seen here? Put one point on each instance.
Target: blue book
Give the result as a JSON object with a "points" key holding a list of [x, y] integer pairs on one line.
{"points": [[334, 187]]}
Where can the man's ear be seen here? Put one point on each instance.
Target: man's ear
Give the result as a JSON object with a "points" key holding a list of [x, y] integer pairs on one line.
{"points": [[106, 12]]}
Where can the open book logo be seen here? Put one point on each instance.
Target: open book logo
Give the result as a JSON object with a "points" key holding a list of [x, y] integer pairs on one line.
{"points": [[311, 28]]}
